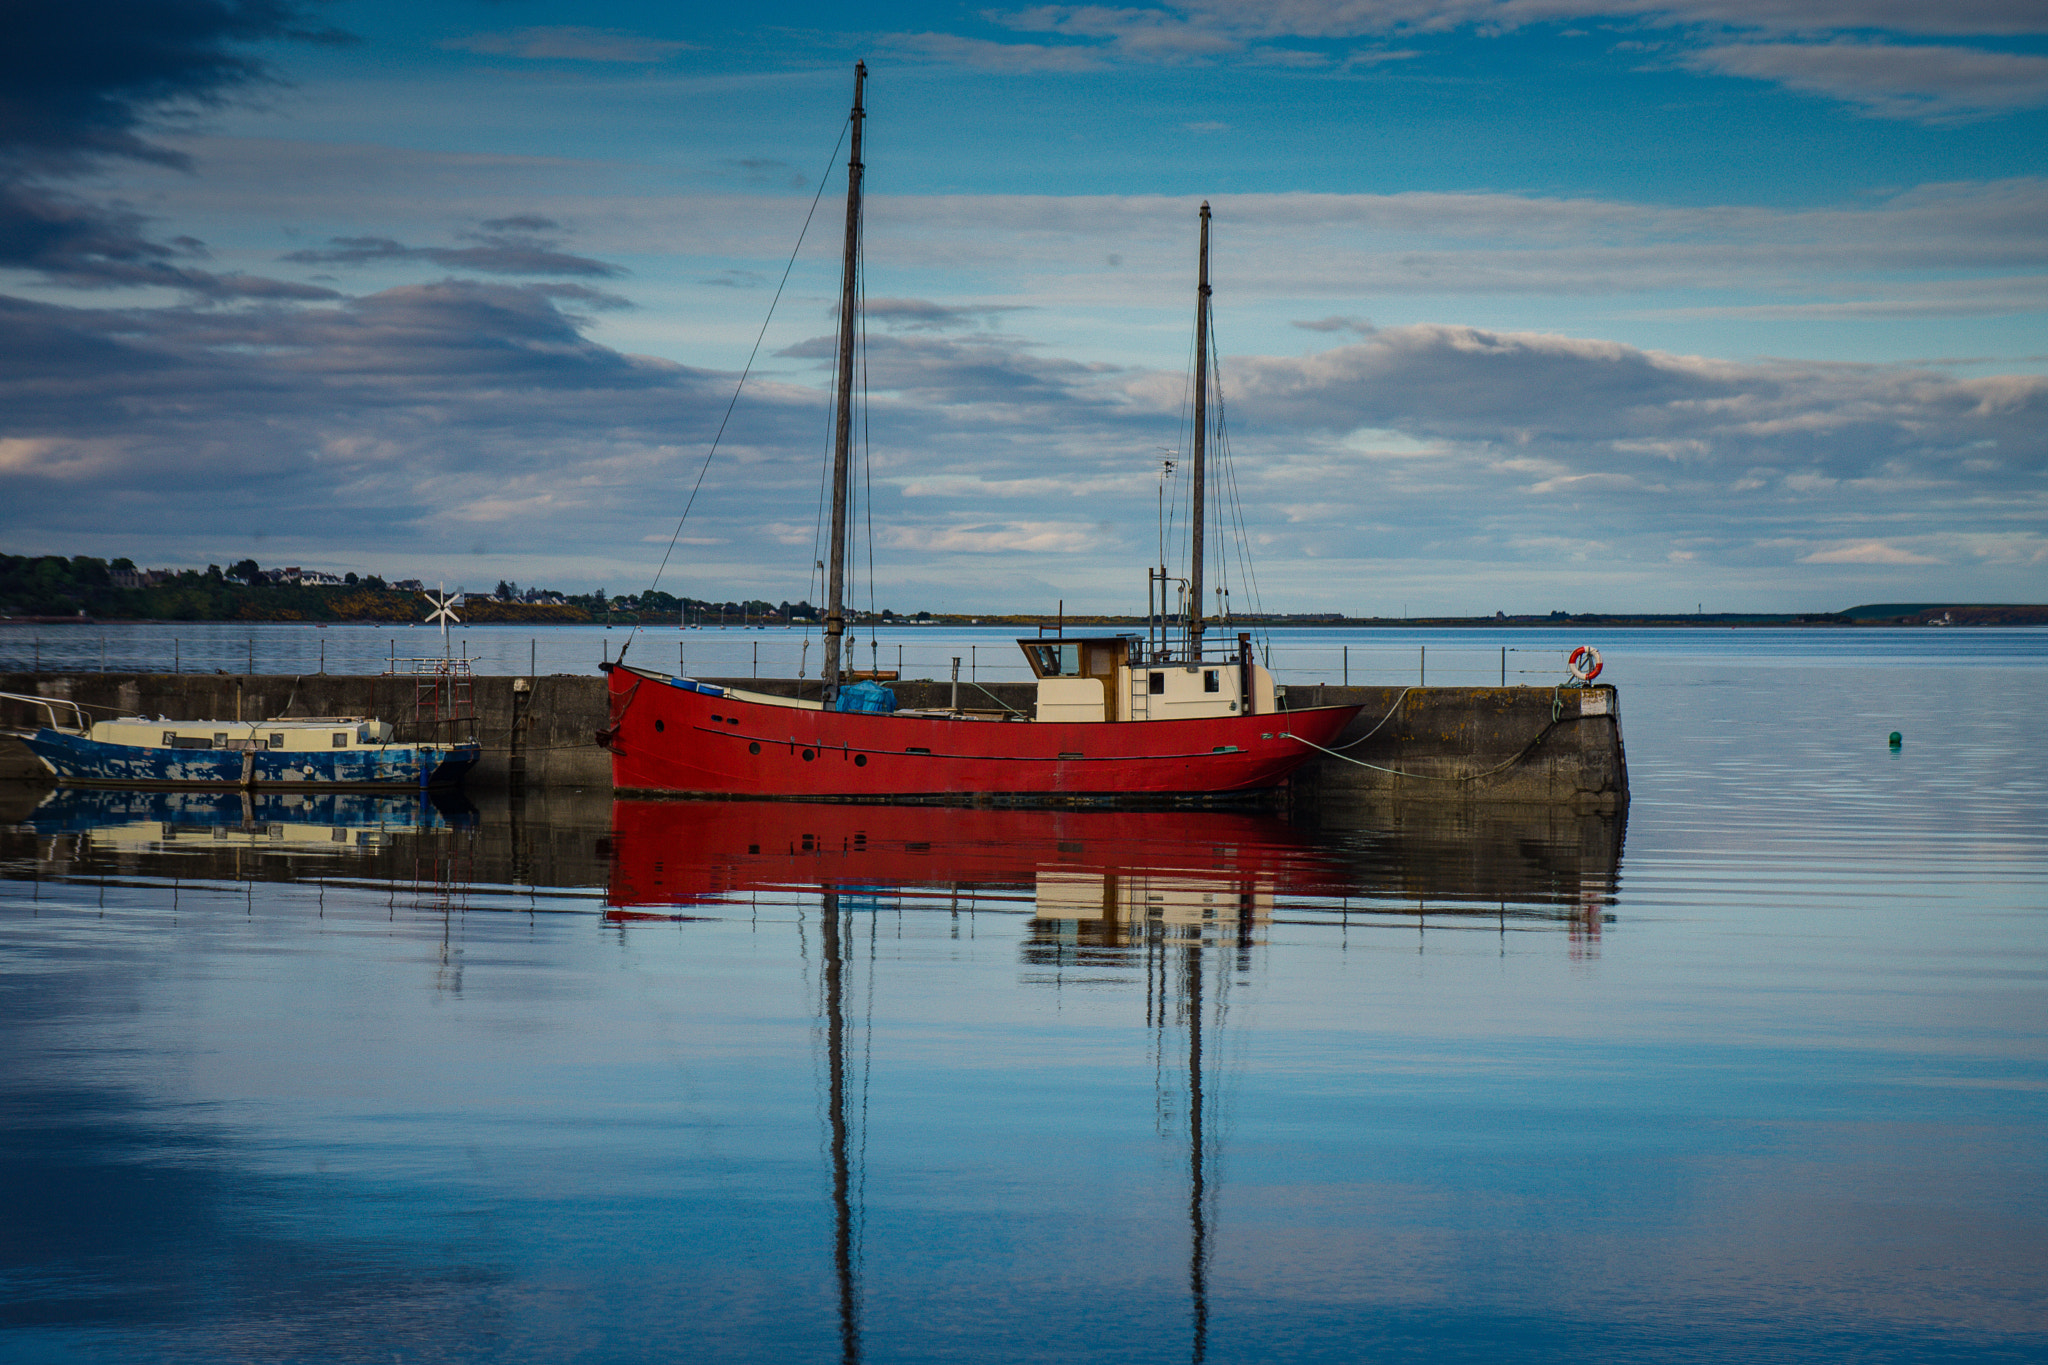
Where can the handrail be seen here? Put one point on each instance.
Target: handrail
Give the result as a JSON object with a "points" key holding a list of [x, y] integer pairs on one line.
{"points": [[50, 704]]}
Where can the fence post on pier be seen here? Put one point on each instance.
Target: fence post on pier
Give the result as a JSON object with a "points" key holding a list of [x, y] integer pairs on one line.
{"points": [[973, 668], [1347, 665], [323, 654], [757, 658], [252, 660], [1503, 665], [956, 683], [1422, 676], [177, 663]]}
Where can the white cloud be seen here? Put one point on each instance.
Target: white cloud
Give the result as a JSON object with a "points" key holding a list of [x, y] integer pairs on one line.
{"points": [[61, 459], [1867, 552], [1928, 82], [1935, 84], [1031, 537]]}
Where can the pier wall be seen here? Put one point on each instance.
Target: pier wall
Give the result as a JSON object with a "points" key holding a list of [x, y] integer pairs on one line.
{"points": [[1536, 746], [1409, 746]]}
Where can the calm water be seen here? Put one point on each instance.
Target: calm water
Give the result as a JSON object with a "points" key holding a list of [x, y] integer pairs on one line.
{"points": [[1760, 1073]]}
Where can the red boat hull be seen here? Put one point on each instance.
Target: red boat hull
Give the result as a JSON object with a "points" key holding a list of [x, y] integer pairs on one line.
{"points": [[666, 737]]}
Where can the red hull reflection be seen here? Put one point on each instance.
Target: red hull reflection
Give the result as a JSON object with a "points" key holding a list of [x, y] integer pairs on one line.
{"points": [[678, 853]]}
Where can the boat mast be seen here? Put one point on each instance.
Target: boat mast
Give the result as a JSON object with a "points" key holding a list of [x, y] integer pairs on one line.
{"points": [[842, 439], [1197, 512]]}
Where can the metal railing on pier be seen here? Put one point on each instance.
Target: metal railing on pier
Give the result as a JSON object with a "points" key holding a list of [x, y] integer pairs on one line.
{"points": [[710, 652]]}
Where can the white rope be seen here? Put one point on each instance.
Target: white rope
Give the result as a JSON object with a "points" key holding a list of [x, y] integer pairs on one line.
{"points": [[1376, 729], [1427, 777]]}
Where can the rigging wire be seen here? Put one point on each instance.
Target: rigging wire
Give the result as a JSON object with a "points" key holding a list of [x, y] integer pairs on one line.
{"points": [[814, 579], [705, 468], [1248, 575]]}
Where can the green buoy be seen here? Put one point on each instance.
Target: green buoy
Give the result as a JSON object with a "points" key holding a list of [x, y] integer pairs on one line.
{"points": [[1897, 739]]}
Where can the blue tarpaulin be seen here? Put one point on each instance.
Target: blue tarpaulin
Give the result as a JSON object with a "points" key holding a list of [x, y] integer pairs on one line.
{"points": [[871, 697]]}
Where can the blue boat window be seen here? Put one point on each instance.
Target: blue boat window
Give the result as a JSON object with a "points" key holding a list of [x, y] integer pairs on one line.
{"points": [[276, 740], [220, 741], [170, 739], [341, 739]]}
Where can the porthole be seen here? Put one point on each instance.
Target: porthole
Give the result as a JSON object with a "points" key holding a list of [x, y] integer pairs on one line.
{"points": [[660, 725], [809, 754], [754, 748], [860, 760]]}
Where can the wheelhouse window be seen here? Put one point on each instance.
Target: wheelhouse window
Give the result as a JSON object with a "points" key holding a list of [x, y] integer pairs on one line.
{"points": [[276, 739], [1156, 684], [1061, 660], [341, 739], [1212, 680]]}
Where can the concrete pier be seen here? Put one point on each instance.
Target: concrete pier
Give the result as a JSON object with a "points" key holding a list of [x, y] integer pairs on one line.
{"points": [[1528, 746]]}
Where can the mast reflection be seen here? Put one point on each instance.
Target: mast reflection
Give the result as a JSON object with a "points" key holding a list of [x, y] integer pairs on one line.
{"points": [[1178, 899], [837, 1118]]}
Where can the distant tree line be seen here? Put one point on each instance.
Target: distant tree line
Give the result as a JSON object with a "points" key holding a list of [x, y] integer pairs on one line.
{"points": [[53, 586], [81, 586]]}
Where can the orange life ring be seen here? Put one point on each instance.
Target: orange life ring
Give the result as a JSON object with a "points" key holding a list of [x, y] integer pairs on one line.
{"points": [[1579, 659]]}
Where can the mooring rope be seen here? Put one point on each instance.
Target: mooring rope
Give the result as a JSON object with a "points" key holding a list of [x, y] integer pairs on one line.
{"points": [[1519, 755]]}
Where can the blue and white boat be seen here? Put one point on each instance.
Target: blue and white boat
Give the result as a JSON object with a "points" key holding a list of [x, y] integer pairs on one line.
{"points": [[354, 752]]}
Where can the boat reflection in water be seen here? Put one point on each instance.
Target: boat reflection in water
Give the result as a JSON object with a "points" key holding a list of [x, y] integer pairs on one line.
{"points": [[420, 840], [1105, 879], [1169, 907], [323, 821], [1177, 901]]}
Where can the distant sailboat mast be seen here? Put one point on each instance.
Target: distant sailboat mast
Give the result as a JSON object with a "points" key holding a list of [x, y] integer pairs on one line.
{"points": [[842, 439]]}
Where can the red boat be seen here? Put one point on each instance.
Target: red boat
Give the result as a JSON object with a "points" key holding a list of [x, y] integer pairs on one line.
{"points": [[1148, 717], [670, 734]]}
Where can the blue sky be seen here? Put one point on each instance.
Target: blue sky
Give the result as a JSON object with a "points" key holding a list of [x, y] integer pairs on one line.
{"points": [[1528, 305]]}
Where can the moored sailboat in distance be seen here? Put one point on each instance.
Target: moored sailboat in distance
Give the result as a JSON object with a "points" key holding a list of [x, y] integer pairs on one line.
{"points": [[1159, 716]]}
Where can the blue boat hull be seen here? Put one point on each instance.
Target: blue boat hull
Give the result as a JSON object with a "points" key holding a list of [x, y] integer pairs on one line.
{"points": [[394, 767]]}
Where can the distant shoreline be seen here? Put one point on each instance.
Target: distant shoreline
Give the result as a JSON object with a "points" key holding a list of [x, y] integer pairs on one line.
{"points": [[1936, 617]]}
